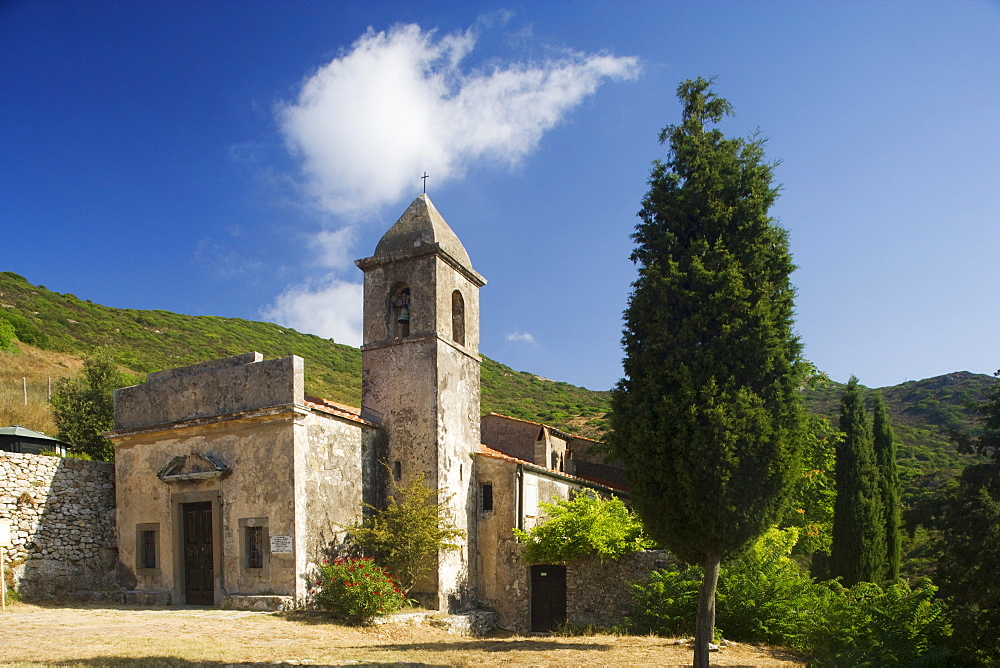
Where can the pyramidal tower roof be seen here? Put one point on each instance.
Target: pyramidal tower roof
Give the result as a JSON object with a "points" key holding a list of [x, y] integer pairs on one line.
{"points": [[422, 231], [422, 225]]}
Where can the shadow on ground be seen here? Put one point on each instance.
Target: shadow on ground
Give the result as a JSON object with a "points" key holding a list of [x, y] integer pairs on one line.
{"points": [[488, 645], [177, 662]]}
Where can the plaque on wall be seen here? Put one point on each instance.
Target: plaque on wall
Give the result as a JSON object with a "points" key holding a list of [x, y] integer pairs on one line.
{"points": [[281, 544]]}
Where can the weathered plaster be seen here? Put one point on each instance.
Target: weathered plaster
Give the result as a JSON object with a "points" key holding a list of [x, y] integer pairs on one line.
{"points": [[423, 388], [241, 437]]}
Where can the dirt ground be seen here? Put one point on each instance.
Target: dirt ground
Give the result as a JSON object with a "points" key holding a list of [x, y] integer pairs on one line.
{"points": [[187, 636]]}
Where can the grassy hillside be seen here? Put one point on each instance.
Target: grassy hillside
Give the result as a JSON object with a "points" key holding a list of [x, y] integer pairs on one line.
{"points": [[922, 412], [65, 327], [152, 340]]}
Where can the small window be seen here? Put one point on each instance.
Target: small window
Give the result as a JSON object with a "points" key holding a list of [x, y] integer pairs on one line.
{"points": [[147, 548], [458, 318], [254, 547], [486, 497], [530, 497], [397, 470]]}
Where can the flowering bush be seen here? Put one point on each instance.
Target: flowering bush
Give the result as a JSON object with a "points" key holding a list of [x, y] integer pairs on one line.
{"points": [[358, 589]]}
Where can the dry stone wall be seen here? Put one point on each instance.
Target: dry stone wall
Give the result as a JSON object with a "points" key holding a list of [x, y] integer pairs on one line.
{"points": [[62, 516], [599, 592]]}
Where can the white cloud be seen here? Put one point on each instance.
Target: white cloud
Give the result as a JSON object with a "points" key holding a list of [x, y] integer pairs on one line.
{"points": [[396, 104], [399, 103], [333, 247], [330, 308], [520, 337]]}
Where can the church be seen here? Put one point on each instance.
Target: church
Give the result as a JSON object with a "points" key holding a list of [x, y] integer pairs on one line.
{"points": [[232, 484]]}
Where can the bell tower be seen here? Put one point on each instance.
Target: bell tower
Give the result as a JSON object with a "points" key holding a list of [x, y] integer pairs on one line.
{"points": [[420, 373]]}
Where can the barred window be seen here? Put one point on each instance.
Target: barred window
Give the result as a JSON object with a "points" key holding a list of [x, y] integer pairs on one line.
{"points": [[255, 547], [486, 497], [147, 549]]}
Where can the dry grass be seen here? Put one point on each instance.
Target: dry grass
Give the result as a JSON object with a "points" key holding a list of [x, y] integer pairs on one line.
{"points": [[34, 635], [37, 366]]}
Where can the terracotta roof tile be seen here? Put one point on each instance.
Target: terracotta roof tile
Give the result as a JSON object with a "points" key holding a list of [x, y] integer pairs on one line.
{"points": [[496, 454], [337, 409]]}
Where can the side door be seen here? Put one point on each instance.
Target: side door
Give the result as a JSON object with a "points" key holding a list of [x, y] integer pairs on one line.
{"points": [[548, 597]]}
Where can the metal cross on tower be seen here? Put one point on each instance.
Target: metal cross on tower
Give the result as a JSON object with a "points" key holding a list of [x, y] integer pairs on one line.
{"points": [[424, 177]]}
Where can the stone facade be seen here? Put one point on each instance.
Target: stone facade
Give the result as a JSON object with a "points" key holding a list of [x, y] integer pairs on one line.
{"points": [[62, 515], [596, 592], [420, 374], [599, 593]]}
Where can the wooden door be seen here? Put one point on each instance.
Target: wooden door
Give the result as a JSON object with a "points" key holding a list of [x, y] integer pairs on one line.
{"points": [[548, 597], [199, 577]]}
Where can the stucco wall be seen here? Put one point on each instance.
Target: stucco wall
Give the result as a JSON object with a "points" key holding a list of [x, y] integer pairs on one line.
{"points": [[219, 387], [335, 471], [503, 584], [503, 573], [259, 452], [62, 526], [589, 463]]}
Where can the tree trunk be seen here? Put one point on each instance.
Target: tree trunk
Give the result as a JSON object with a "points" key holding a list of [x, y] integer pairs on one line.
{"points": [[705, 626]]}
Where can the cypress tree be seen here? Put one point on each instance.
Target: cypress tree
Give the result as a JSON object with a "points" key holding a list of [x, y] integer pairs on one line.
{"points": [[708, 416], [969, 559], [858, 552], [885, 458]]}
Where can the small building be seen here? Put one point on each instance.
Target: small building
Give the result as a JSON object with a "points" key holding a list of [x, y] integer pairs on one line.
{"points": [[21, 439], [231, 484]]}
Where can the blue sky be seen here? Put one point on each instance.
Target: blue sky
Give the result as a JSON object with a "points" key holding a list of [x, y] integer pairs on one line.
{"points": [[234, 158]]}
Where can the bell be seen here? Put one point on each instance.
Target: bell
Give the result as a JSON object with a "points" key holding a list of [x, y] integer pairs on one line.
{"points": [[404, 315]]}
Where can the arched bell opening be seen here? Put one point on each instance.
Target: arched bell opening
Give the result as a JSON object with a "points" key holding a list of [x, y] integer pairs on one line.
{"points": [[458, 318], [399, 311]]}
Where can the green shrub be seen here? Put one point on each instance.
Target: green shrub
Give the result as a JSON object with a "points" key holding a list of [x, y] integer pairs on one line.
{"points": [[407, 535], [7, 337], [357, 589], [583, 526], [667, 603], [24, 330], [764, 597], [867, 625]]}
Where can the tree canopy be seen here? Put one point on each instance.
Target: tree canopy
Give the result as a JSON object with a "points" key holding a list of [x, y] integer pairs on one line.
{"points": [[583, 525], [406, 536], [969, 561], [84, 406], [708, 415]]}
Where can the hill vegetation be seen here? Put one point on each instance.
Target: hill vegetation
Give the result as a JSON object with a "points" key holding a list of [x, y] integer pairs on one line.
{"points": [[56, 330], [923, 413]]}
